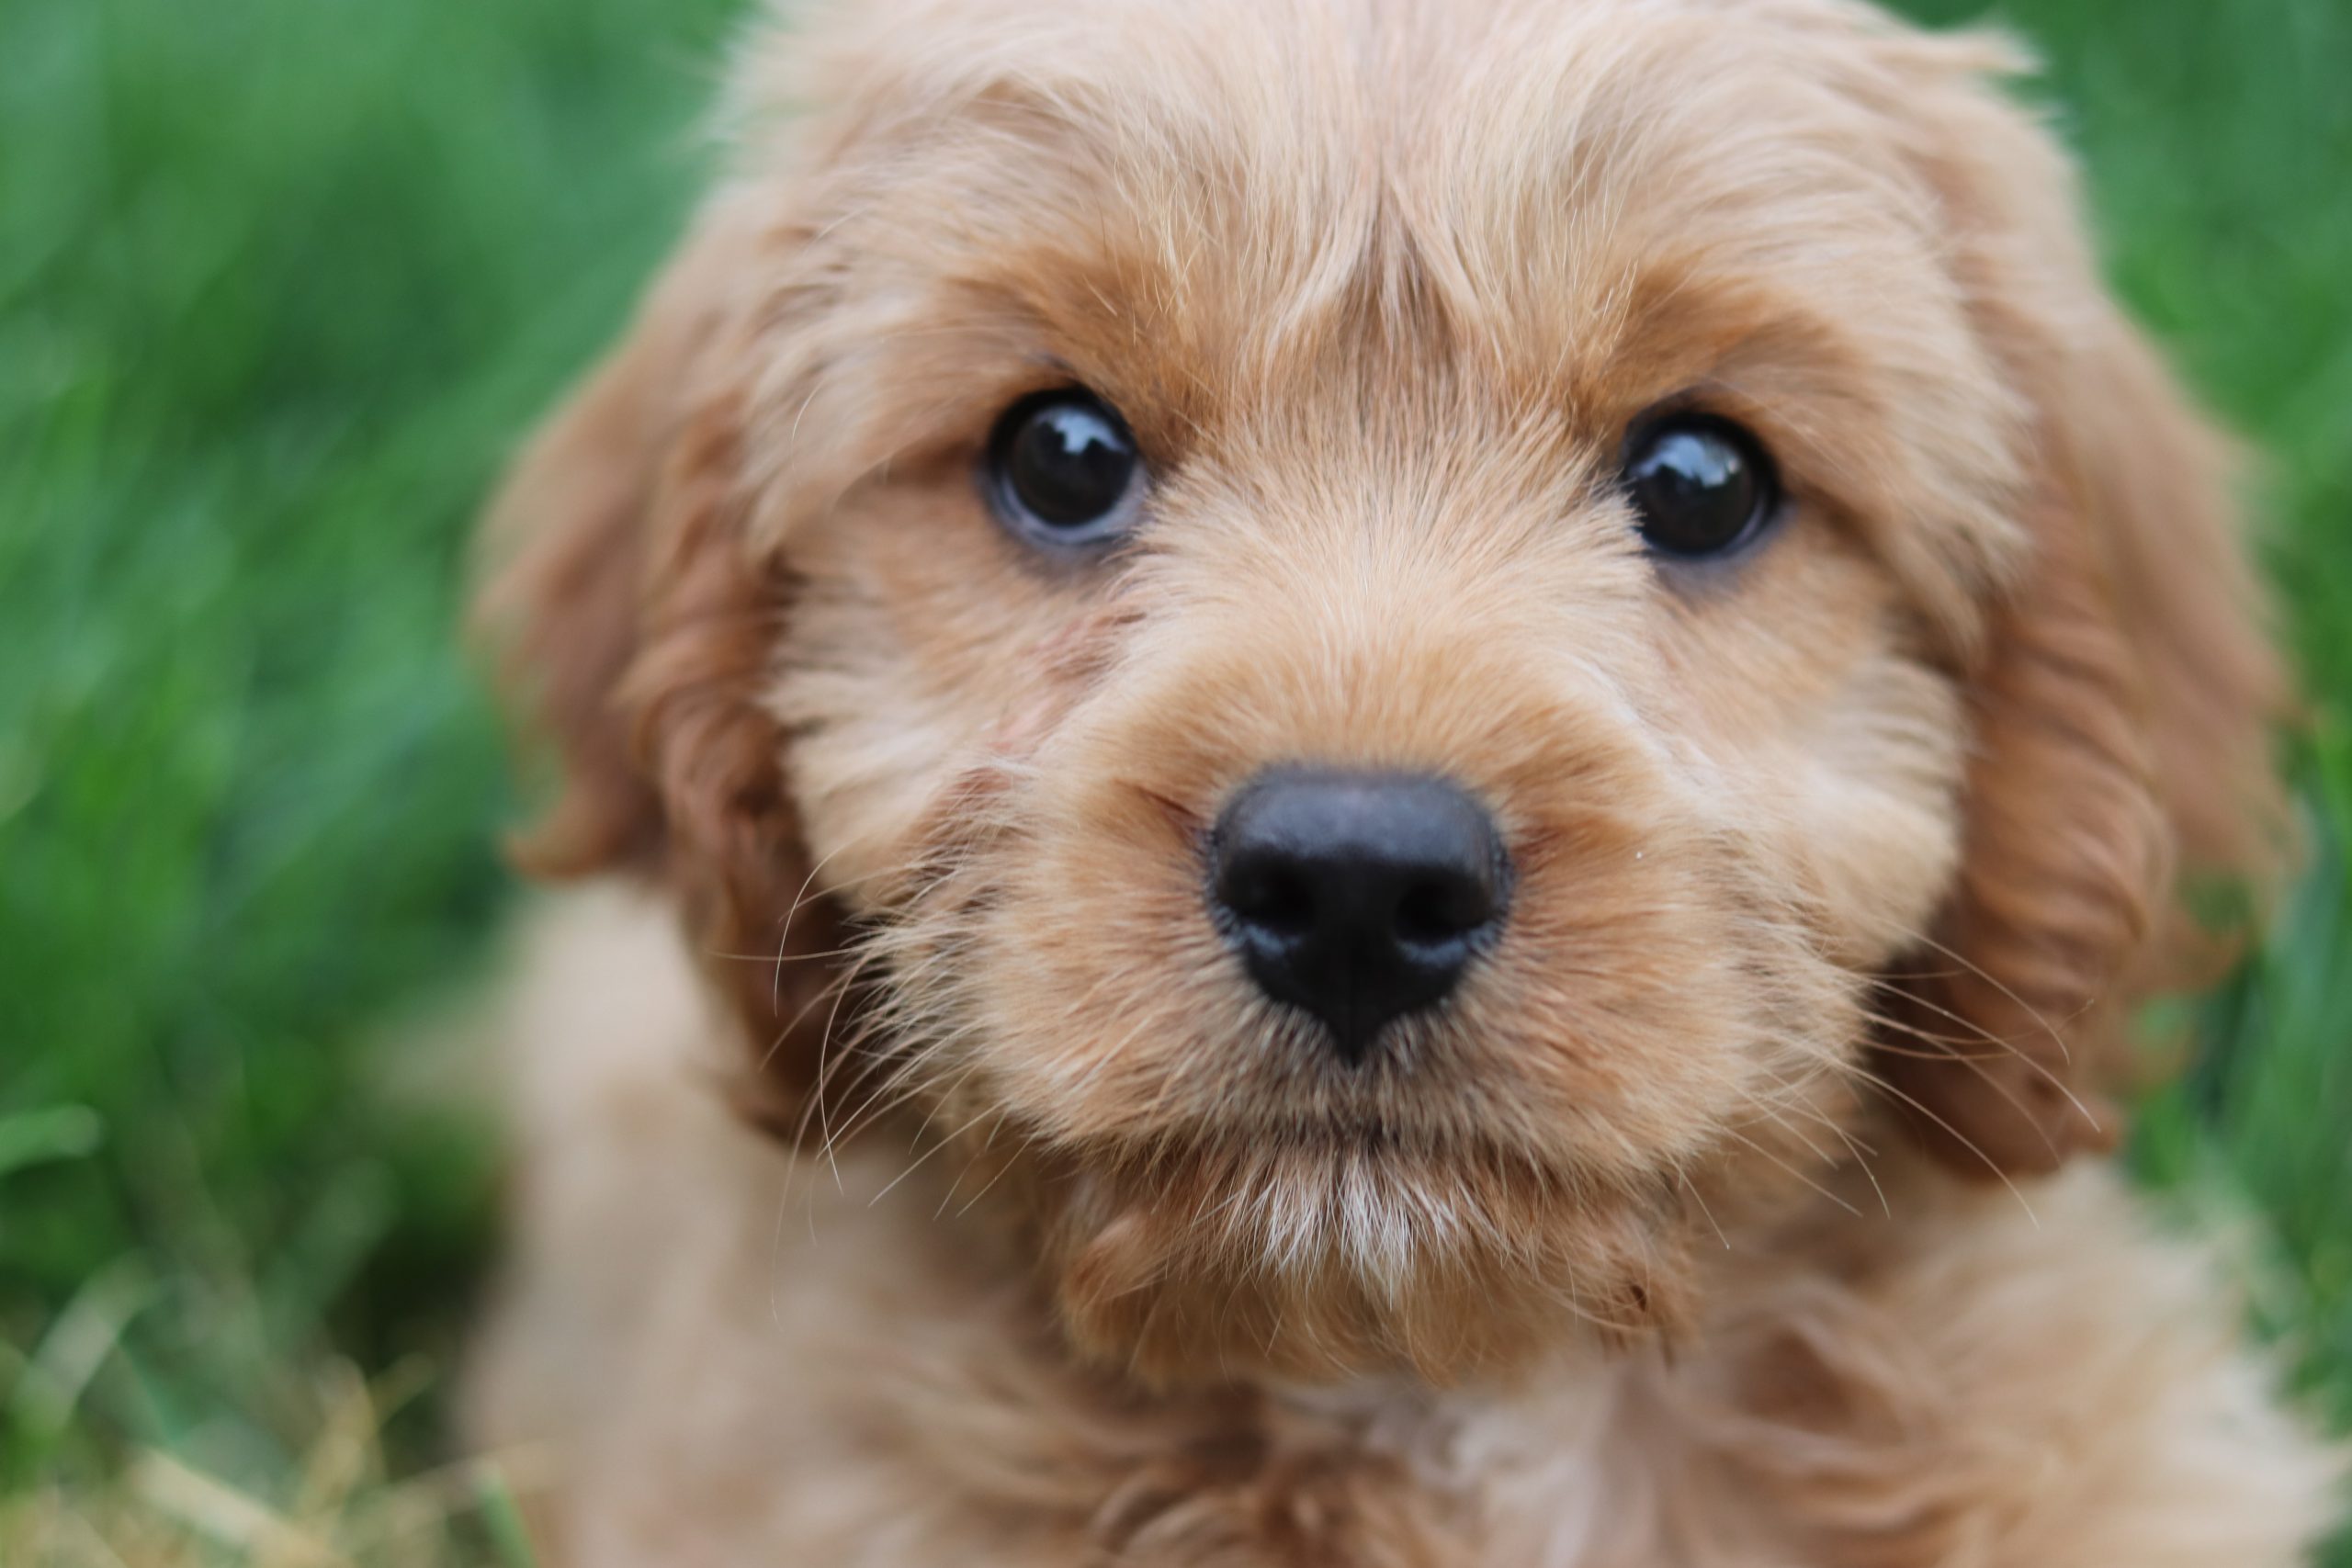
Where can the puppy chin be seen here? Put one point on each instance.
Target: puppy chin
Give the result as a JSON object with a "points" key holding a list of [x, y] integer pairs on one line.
{"points": [[1322, 1256]]}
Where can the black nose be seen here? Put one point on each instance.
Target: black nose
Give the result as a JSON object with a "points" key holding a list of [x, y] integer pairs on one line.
{"points": [[1357, 897]]}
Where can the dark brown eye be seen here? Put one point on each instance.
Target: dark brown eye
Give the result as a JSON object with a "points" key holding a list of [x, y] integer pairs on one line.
{"points": [[1063, 471], [1702, 486]]}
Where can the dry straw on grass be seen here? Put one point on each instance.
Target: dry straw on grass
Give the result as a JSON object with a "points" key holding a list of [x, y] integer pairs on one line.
{"points": [[339, 1510]]}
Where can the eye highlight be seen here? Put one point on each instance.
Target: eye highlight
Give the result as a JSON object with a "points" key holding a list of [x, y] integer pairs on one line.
{"points": [[1702, 486], [1062, 471]]}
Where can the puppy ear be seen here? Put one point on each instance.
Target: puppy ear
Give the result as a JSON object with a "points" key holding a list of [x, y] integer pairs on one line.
{"points": [[2123, 705], [633, 620], [563, 586]]}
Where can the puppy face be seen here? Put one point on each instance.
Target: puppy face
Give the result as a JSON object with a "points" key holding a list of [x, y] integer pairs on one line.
{"points": [[1414, 644]]}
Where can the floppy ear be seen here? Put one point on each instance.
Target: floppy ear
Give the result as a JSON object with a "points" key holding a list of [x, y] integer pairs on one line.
{"points": [[634, 621], [2124, 702]]}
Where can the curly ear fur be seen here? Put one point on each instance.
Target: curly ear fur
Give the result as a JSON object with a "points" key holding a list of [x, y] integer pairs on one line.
{"points": [[633, 623], [2123, 702]]}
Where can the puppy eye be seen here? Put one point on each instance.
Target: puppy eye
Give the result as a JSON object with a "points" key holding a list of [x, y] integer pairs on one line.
{"points": [[1701, 485], [1063, 471]]}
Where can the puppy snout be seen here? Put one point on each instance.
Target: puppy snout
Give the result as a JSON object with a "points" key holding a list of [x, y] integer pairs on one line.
{"points": [[1357, 897]]}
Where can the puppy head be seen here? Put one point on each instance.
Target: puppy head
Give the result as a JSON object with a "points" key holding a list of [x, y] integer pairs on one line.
{"points": [[1388, 651]]}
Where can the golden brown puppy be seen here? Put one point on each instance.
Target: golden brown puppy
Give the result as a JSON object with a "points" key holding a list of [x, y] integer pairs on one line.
{"points": [[1414, 756]]}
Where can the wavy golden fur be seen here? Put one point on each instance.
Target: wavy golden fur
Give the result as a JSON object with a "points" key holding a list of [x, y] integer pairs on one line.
{"points": [[1718, 1218]]}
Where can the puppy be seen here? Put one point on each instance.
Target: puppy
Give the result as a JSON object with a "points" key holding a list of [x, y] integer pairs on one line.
{"points": [[1382, 782]]}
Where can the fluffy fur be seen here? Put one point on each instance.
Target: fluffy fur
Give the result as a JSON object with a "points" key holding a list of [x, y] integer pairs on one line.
{"points": [[1715, 1220]]}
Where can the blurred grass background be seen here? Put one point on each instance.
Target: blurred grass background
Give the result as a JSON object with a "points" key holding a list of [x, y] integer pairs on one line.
{"points": [[280, 283]]}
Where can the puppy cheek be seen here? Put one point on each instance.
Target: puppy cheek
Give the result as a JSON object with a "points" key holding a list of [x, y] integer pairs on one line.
{"points": [[887, 763], [1867, 803]]}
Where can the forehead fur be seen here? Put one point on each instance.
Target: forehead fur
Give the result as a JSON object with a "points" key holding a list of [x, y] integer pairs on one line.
{"points": [[1229, 215]]}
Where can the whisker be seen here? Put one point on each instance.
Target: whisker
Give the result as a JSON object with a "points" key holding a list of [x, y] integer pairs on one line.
{"points": [[1769, 1154], [924, 1158], [1975, 1063], [1691, 1187], [1978, 970], [1991, 1040], [784, 937], [1990, 1163]]}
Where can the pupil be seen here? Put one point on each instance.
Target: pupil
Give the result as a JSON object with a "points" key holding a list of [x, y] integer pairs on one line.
{"points": [[1071, 465], [1695, 490]]}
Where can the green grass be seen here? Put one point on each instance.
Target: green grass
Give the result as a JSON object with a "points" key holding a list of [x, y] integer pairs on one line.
{"points": [[280, 282]]}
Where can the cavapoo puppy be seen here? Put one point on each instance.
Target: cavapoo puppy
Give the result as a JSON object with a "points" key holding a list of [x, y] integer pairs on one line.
{"points": [[1382, 782]]}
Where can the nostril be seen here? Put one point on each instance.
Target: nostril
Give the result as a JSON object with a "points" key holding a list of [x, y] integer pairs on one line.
{"points": [[1434, 911], [1273, 895]]}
